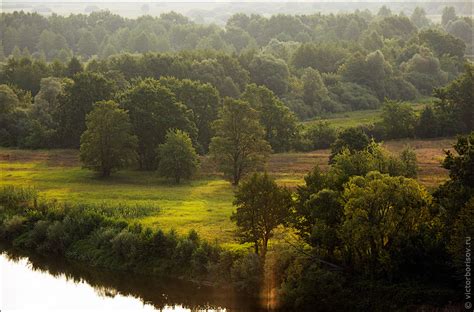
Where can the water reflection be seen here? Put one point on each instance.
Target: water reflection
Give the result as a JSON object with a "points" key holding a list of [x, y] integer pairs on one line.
{"points": [[31, 282]]}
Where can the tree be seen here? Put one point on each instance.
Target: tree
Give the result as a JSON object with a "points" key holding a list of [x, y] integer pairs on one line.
{"points": [[8, 100], [324, 58], [427, 123], [419, 18], [177, 156], [239, 145], [398, 120], [202, 99], [461, 166], [271, 72], [25, 73], [461, 29], [352, 139], [324, 212], [442, 43], [371, 71], [108, 143], [261, 206], [315, 93], [76, 102], [319, 135], [455, 193], [457, 97], [154, 110], [87, 44], [449, 14], [73, 67], [381, 213], [279, 122]]}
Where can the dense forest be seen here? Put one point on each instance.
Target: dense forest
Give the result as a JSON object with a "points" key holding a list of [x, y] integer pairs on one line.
{"points": [[160, 93]]}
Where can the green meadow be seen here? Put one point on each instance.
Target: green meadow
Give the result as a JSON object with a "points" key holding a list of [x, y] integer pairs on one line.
{"points": [[362, 117], [203, 204]]}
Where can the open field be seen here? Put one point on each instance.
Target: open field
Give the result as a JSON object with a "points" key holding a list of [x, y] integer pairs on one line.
{"points": [[362, 117], [204, 204]]}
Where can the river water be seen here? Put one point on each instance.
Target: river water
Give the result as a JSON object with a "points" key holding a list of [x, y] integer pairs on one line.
{"points": [[33, 283]]}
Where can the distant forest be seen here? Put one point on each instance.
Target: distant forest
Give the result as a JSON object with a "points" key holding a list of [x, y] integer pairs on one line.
{"points": [[308, 65], [373, 56]]}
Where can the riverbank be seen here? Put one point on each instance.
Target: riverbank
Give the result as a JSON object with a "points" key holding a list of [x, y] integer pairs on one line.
{"points": [[106, 287], [84, 234]]}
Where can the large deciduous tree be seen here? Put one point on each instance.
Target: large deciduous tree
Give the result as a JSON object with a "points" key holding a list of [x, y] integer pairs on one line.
{"points": [[239, 145], [279, 122], [76, 102], [380, 214], [108, 143], [262, 205], [153, 111], [271, 72], [202, 99]]}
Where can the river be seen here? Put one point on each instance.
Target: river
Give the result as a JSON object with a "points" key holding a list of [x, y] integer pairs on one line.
{"points": [[34, 283]]}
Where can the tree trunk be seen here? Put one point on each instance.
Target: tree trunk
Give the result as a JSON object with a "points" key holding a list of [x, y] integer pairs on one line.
{"points": [[105, 172], [256, 247], [264, 248]]}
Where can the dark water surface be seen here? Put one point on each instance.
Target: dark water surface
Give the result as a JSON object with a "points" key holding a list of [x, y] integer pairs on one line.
{"points": [[34, 283]]}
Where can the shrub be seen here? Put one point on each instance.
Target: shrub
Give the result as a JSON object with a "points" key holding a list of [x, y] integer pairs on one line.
{"points": [[319, 135], [17, 198], [246, 274], [12, 226]]}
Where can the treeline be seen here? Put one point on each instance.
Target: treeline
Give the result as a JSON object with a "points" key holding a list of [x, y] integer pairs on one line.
{"points": [[451, 113], [313, 63], [103, 33], [144, 111]]}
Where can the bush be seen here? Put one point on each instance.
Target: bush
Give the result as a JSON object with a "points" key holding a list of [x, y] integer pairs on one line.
{"points": [[354, 96], [319, 135], [307, 286], [12, 226], [17, 198], [247, 273], [398, 120]]}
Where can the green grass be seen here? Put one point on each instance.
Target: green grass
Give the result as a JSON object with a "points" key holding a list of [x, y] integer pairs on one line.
{"points": [[204, 205], [361, 117]]}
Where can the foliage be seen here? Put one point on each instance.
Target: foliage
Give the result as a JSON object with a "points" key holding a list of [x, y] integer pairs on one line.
{"points": [[239, 146], [76, 102], [278, 121], [398, 120], [271, 72], [81, 234], [352, 139], [261, 206], [319, 135], [381, 213], [177, 156], [457, 98], [107, 144], [146, 100], [202, 99]]}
